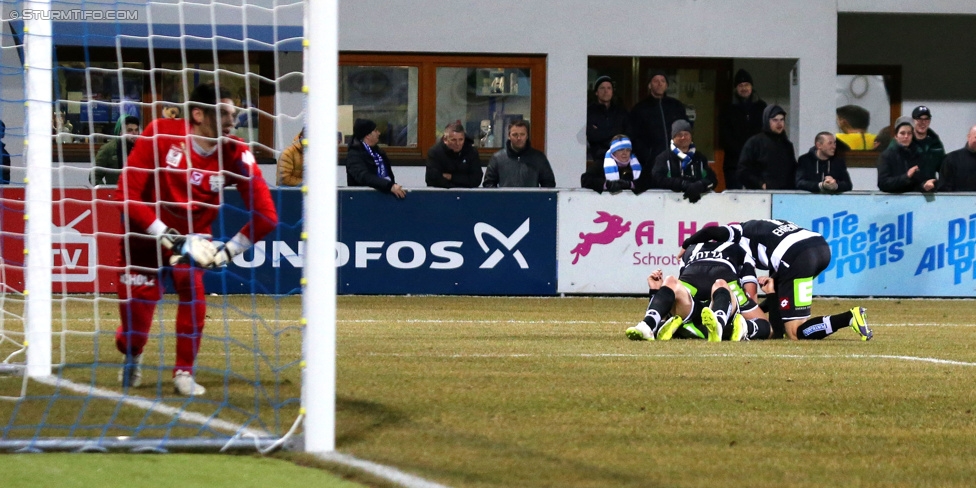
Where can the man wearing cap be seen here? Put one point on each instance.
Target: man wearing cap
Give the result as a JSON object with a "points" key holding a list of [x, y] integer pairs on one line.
{"points": [[620, 170], [604, 119], [741, 119], [651, 118], [367, 164], [683, 169], [768, 161], [959, 168], [927, 143]]}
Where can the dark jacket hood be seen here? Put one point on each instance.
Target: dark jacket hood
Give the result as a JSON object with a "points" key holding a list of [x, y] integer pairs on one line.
{"points": [[770, 112]]}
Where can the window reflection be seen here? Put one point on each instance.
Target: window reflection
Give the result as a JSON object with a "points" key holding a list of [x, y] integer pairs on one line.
{"points": [[863, 108], [485, 100], [386, 95]]}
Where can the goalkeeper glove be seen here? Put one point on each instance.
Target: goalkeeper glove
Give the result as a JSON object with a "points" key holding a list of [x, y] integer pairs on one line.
{"points": [[227, 251], [195, 249]]}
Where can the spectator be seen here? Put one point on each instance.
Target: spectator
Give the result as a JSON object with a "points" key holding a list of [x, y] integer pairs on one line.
{"points": [[604, 120], [620, 170], [821, 170], [959, 168], [454, 162], [768, 161], [519, 164], [113, 154], [291, 163], [898, 166], [741, 119], [853, 122], [683, 169], [927, 143], [367, 164], [171, 112], [4, 157], [651, 119]]}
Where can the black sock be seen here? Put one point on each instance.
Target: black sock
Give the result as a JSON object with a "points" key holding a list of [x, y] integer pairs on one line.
{"points": [[758, 329], [659, 307], [821, 327], [722, 305]]}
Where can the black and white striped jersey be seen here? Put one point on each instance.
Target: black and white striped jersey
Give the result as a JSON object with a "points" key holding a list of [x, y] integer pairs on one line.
{"points": [[730, 254], [767, 240]]}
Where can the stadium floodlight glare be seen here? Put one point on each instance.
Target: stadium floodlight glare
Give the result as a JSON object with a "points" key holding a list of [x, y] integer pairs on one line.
{"points": [[70, 266]]}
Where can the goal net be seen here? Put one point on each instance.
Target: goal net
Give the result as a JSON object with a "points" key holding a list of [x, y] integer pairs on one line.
{"points": [[112, 335]]}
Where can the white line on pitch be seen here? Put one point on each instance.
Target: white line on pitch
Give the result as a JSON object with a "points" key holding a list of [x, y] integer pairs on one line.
{"points": [[150, 405], [624, 355], [594, 322]]}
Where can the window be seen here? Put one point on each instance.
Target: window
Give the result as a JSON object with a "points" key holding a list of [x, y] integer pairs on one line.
{"points": [[413, 97], [873, 95], [95, 70]]}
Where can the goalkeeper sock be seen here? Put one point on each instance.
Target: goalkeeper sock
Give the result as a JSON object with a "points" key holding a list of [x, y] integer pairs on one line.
{"points": [[821, 327], [190, 315]]}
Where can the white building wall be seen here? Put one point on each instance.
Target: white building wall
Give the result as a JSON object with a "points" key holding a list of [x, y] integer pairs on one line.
{"points": [[570, 31]]}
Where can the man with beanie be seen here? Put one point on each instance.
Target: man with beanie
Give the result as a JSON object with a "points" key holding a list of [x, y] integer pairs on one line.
{"points": [[604, 119], [959, 168], [821, 170], [367, 164], [519, 165], [927, 143], [768, 161], [741, 119], [651, 118], [683, 169], [899, 166]]}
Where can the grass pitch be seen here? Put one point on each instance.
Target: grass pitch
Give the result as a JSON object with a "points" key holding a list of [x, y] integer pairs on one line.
{"points": [[485, 392]]}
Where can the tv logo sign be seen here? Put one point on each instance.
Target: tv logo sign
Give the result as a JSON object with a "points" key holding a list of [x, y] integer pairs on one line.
{"points": [[444, 255], [74, 253]]}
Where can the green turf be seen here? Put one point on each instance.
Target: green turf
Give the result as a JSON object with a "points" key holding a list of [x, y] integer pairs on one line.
{"points": [[548, 392], [155, 471]]}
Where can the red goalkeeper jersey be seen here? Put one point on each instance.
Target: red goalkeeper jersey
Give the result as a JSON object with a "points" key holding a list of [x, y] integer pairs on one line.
{"points": [[167, 182]]}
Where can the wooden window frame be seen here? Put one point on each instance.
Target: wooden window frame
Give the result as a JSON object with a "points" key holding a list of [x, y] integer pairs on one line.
{"points": [[893, 84], [427, 65], [265, 61]]}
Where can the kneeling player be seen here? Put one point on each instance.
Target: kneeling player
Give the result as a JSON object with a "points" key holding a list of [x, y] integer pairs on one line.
{"points": [[794, 256], [711, 274]]}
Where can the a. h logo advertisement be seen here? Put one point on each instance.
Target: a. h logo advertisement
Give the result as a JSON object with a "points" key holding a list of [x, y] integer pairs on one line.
{"points": [[615, 228]]}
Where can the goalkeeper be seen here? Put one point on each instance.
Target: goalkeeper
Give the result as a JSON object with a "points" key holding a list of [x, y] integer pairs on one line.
{"points": [[171, 190]]}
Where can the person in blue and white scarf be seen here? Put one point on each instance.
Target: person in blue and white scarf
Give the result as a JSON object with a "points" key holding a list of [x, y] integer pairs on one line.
{"points": [[683, 168], [620, 170]]}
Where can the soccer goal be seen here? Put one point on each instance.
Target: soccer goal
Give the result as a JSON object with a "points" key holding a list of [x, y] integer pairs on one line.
{"points": [[158, 290]]}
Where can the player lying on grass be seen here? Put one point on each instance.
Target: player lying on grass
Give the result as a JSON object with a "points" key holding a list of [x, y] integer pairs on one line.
{"points": [[794, 256], [171, 191], [705, 298]]}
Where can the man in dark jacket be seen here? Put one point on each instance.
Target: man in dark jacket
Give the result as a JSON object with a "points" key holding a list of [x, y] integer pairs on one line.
{"points": [[741, 119], [768, 161], [683, 169], [367, 164], [604, 120], [959, 168], [821, 170], [927, 143], [651, 119], [519, 165], [453, 162], [898, 166]]}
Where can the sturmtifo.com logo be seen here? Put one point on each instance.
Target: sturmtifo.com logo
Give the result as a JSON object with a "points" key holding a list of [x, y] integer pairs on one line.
{"points": [[73, 14], [481, 228]]}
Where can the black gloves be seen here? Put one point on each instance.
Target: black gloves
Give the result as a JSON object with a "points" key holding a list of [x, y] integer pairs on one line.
{"points": [[693, 191], [617, 186]]}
